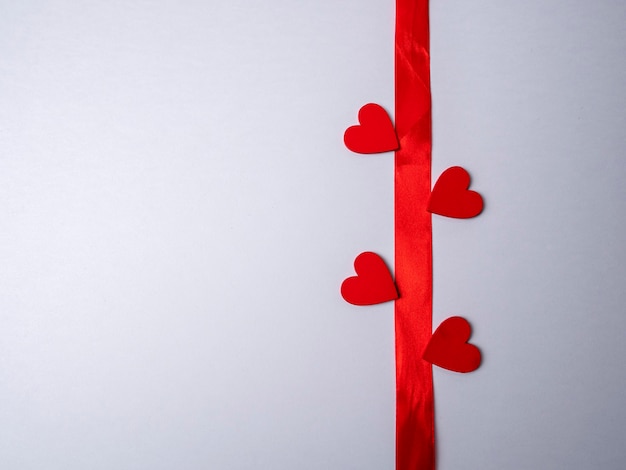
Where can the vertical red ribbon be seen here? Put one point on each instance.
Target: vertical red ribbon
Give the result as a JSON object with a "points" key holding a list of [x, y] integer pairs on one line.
{"points": [[415, 427]]}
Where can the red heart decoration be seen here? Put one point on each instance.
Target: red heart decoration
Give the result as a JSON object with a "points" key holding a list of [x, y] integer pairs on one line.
{"points": [[448, 347], [452, 198], [375, 132], [373, 283]]}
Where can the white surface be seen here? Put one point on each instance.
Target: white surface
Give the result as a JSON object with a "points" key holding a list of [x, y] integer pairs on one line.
{"points": [[178, 211]]}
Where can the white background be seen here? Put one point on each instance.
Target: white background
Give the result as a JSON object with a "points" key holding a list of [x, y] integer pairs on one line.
{"points": [[177, 212]]}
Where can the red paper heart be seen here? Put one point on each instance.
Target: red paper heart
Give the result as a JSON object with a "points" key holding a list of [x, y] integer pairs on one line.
{"points": [[375, 132], [373, 283], [452, 198], [449, 348]]}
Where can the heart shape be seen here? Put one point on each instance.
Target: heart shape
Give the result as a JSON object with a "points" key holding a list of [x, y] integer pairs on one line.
{"points": [[449, 348], [373, 283], [451, 197], [375, 132]]}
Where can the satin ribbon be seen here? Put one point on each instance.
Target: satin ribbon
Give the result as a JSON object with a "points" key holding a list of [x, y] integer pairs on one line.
{"points": [[415, 427]]}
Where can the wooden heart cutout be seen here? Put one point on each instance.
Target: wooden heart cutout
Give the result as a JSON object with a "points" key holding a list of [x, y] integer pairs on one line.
{"points": [[375, 132], [373, 283], [449, 348], [451, 197]]}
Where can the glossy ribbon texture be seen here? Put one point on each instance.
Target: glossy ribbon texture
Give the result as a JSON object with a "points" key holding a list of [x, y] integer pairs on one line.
{"points": [[415, 427]]}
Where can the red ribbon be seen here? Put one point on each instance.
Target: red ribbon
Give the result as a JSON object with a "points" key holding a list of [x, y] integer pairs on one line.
{"points": [[415, 426]]}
